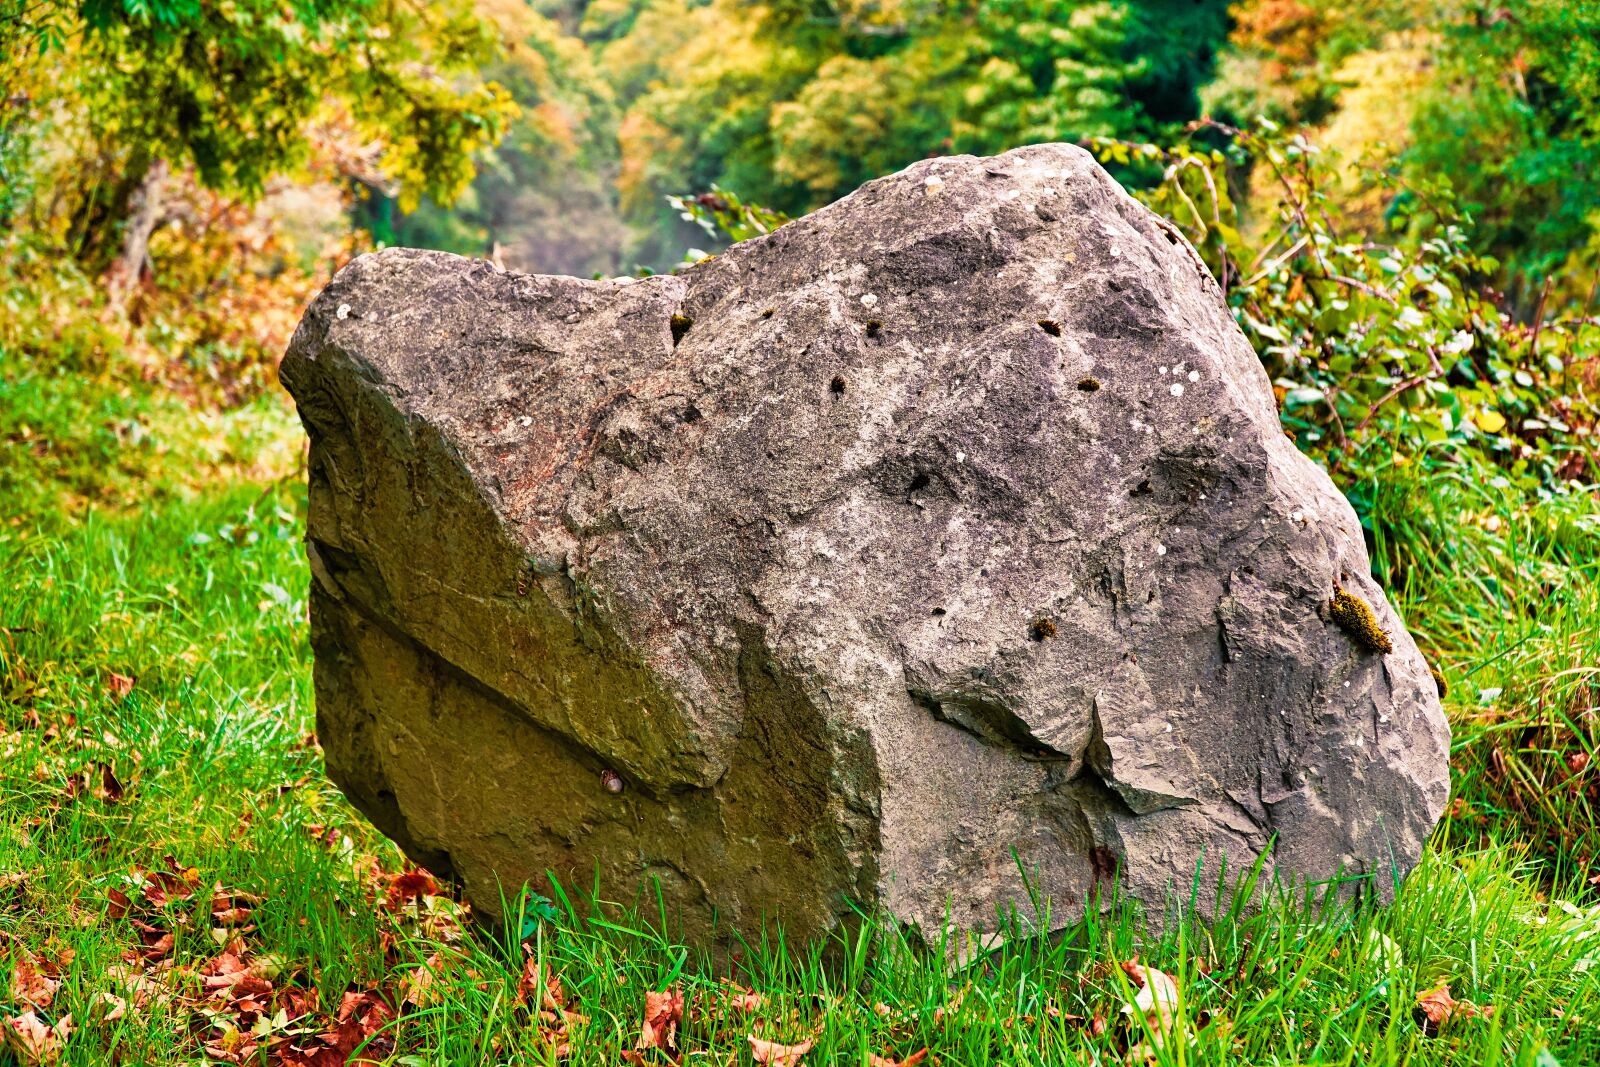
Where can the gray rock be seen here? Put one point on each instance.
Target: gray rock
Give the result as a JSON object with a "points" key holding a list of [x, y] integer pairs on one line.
{"points": [[943, 535]]}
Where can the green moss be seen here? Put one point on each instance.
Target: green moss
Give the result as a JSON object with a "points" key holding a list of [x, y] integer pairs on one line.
{"points": [[680, 326], [1355, 618]]}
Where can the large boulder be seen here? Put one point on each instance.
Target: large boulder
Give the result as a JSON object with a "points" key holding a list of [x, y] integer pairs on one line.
{"points": [[939, 547]]}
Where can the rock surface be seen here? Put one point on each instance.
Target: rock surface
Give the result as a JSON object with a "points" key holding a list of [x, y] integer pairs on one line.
{"points": [[943, 534]]}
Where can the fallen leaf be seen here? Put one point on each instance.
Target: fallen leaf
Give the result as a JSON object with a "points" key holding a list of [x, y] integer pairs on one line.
{"points": [[663, 1015], [953, 1006], [410, 885], [34, 1042], [119, 1007], [544, 990], [1156, 1002], [773, 1054], [1436, 1008], [30, 985], [119, 685], [417, 987], [910, 1061], [119, 904]]}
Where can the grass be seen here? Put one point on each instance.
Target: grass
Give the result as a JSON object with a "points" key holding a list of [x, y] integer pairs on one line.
{"points": [[178, 878]]}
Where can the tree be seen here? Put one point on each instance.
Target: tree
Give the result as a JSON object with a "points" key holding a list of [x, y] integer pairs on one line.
{"points": [[231, 90]]}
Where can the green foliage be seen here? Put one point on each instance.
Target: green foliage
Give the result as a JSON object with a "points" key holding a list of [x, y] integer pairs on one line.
{"points": [[725, 217], [1385, 345], [1513, 121], [795, 104], [233, 90], [1502, 100]]}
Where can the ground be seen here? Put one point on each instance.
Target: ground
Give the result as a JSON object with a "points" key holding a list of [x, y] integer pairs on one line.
{"points": [[180, 884]]}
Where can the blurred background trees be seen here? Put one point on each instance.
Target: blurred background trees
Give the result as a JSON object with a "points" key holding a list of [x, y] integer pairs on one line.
{"points": [[169, 150]]}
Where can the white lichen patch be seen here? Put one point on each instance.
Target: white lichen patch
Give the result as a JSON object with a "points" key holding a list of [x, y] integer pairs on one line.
{"points": [[343, 312], [1176, 389], [869, 299]]}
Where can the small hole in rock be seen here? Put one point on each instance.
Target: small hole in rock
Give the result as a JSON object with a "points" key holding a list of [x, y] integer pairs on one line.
{"points": [[1051, 327], [874, 327], [766, 313], [919, 483], [1142, 489], [680, 326], [1088, 385], [837, 385], [937, 611]]}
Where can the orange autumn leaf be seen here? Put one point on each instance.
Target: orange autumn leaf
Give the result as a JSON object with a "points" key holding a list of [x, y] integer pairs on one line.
{"points": [[543, 990], [910, 1061], [411, 885], [1436, 1008], [773, 1054], [663, 1015], [119, 685]]}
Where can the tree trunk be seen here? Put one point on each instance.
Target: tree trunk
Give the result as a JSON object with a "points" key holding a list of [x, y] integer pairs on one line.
{"points": [[144, 214]]}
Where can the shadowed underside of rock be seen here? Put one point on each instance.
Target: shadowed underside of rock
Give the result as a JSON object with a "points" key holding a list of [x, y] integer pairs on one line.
{"points": [[943, 537]]}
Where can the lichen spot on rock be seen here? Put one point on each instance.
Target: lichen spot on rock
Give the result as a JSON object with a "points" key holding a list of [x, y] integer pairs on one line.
{"points": [[1355, 618]]}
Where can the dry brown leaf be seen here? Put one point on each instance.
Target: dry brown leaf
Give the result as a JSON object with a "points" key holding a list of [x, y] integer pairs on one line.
{"points": [[1436, 1008], [543, 990], [663, 1016], [119, 685], [410, 885], [953, 1007], [910, 1061], [32, 1041], [30, 985], [119, 904], [773, 1054], [118, 1009], [418, 986]]}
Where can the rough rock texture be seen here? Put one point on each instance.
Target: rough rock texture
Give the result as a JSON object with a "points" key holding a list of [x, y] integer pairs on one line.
{"points": [[946, 530]]}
